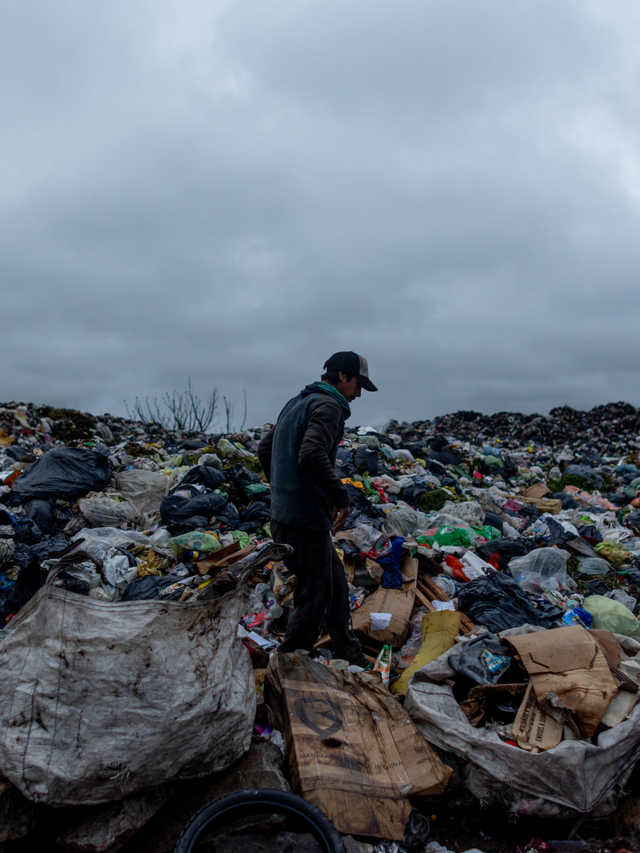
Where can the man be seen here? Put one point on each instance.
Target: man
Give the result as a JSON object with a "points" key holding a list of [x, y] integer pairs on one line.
{"points": [[309, 502]]}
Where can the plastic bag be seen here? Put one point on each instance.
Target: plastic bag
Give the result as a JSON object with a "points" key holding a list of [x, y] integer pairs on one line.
{"points": [[107, 512], [446, 585], [202, 475], [64, 472], [117, 573], [144, 489], [483, 660], [403, 521], [544, 568], [621, 596], [205, 542], [474, 566], [498, 603], [177, 508], [614, 552], [469, 511], [610, 615], [97, 541], [370, 541], [593, 566]]}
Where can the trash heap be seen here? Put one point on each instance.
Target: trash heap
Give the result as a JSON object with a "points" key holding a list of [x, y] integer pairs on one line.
{"points": [[494, 579]]}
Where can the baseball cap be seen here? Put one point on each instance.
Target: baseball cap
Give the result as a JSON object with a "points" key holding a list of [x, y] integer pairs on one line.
{"points": [[351, 362]]}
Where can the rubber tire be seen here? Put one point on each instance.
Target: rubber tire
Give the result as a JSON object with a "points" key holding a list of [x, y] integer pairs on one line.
{"points": [[253, 801]]}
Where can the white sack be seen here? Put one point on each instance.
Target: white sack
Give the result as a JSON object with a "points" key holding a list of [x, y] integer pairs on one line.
{"points": [[575, 774], [103, 699]]}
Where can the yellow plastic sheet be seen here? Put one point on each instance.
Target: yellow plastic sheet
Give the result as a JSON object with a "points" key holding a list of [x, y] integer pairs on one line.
{"points": [[438, 632]]}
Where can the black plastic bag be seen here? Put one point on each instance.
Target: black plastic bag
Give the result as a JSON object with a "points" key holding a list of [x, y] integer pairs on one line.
{"points": [[176, 509], [568, 502], [30, 579], [65, 472], [366, 461], [151, 587], [497, 602], [41, 512], [202, 475], [504, 547], [470, 661]]}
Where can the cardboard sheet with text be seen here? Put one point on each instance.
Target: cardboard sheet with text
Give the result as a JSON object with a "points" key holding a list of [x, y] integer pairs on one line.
{"points": [[352, 748]]}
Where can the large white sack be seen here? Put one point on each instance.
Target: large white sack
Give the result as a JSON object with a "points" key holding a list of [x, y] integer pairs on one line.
{"points": [[574, 775], [103, 699]]}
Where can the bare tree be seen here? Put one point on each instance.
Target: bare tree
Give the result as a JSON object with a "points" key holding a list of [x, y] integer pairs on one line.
{"points": [[244, 419], [229, 407], [185, 410]]}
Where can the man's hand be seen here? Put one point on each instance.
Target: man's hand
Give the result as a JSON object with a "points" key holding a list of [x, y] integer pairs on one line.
{"points": [[339, 518]]}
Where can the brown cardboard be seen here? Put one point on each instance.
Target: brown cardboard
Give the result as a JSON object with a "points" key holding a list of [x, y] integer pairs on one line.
{"points": [[543, 504], [538, 490], [398, 602], [609, 645], [569, 669], [353, 750], [533, 728]]}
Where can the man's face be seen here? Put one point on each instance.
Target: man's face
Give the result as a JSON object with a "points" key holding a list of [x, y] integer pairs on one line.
{"points": [[349, 388]]}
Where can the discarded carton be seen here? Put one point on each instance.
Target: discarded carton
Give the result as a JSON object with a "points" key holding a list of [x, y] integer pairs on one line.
{"points": [[533, 728], [352, 749], [569, 670], [398, 602], [543, 505]]}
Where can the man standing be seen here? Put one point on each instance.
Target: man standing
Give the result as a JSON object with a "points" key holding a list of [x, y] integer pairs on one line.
{"points": [[309, 502]]}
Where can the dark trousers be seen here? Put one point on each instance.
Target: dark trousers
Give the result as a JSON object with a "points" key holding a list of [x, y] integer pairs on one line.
{"points": [[321, 596]]}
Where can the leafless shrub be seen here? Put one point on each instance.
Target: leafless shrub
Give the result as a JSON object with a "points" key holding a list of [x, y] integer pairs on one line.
{"points": [[184, 410]]}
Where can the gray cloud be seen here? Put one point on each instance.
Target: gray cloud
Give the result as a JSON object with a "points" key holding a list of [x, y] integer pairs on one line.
{"points": [[230, 192]]}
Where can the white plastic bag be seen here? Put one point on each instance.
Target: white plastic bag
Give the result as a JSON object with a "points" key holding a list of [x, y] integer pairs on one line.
{"points": [[544, 568], [145, 490], [103, 699]]}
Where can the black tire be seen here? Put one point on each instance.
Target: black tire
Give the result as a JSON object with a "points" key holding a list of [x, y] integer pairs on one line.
{"points": [[302, 815]]}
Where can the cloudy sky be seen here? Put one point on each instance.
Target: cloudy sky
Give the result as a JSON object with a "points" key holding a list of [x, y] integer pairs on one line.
{"points": [[231, 191]]}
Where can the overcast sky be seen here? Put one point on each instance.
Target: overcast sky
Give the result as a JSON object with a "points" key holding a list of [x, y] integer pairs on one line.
{"points": [[231, 190]]}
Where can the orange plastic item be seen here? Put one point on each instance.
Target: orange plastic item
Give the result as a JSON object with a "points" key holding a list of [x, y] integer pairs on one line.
{"points": [[457, 569]]}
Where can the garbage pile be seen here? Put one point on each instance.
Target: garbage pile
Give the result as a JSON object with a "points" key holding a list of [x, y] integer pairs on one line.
{"points": [[494, 579]]}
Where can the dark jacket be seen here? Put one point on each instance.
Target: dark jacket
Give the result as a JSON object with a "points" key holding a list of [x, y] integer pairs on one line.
{"points": [[298, 455]]}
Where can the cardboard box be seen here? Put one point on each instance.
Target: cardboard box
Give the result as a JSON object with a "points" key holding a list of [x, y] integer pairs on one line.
{"points": [[568, 669], [552, 505], [398, 602], [353, 750]]}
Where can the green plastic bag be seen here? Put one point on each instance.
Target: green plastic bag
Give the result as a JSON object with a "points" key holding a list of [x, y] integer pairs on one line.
{"points": [[253, 489], [205, 542], [452, 536], [610, 615], [241, 537], [487, 532], [614, 552]]}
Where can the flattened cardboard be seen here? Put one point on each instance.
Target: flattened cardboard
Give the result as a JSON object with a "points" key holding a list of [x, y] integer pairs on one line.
{"points": [[609, 645], [398, 602], [538, 490], [352, 748], [568, 666], [533, 728]]}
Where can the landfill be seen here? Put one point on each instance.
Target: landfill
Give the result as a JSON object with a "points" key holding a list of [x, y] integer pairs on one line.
{"points": [[493, 564]]}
